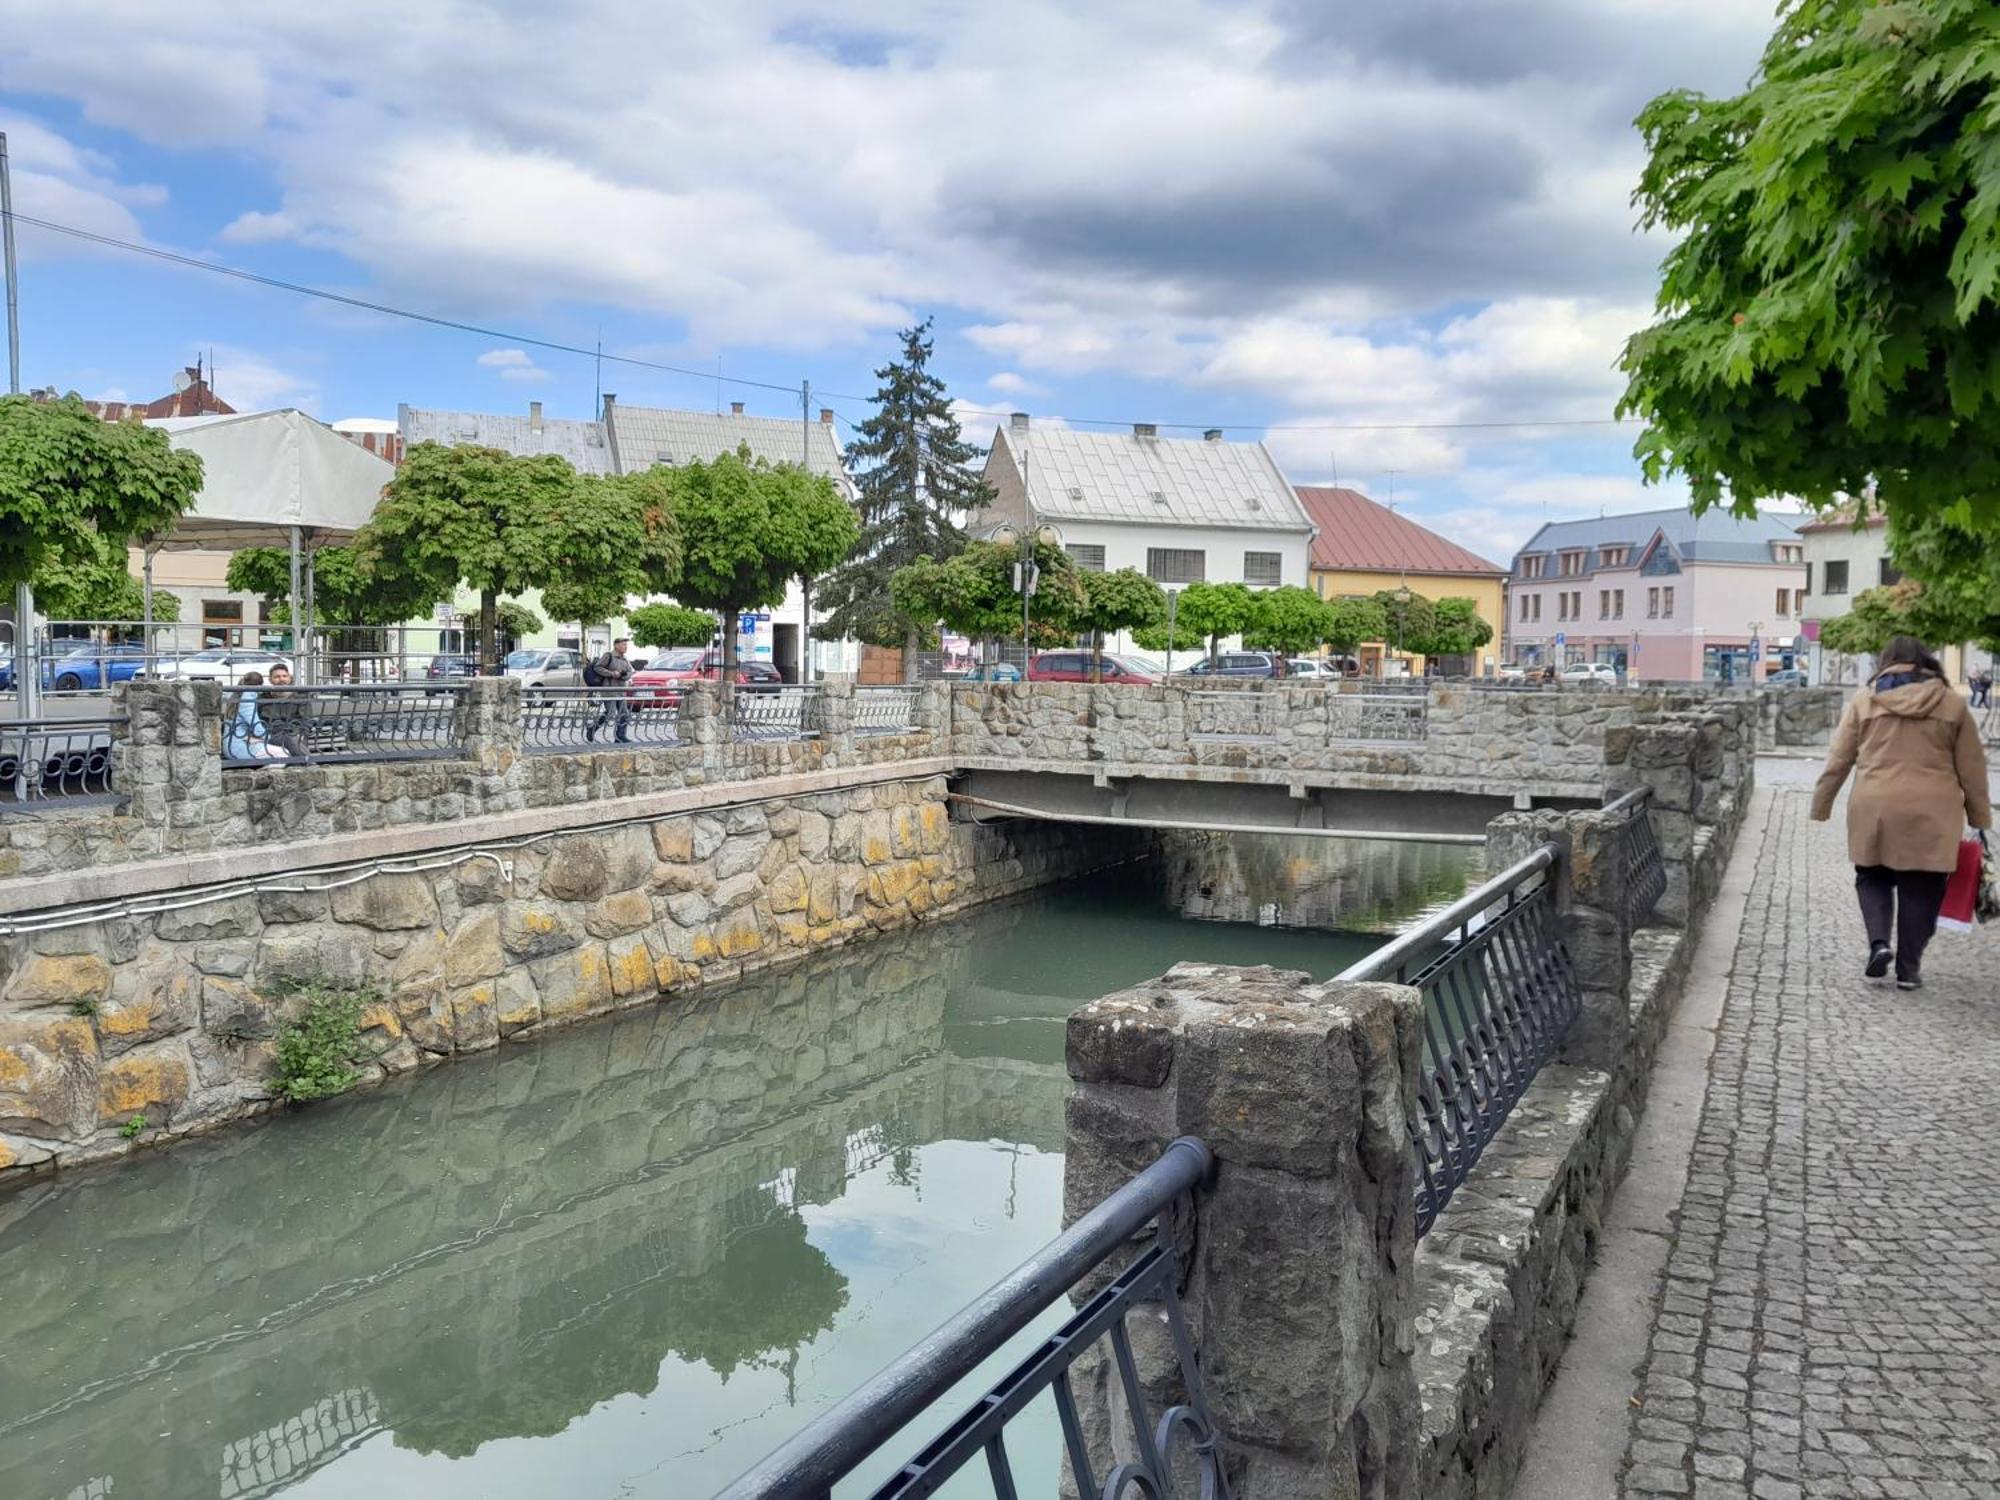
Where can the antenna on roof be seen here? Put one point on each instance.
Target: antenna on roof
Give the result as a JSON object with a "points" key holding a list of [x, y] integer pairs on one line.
{"points": [[1334, 459], [597, 400]]}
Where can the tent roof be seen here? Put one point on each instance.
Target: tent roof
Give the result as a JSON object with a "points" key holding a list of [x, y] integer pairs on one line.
{"points": [[264, 473]]}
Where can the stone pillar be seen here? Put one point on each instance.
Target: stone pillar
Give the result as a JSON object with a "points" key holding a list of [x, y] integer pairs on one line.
{"points": [[486, 720], [1300, 1283], [830, 711], [931, 713], [1594, 910], [166, 760], [1662, 756]]}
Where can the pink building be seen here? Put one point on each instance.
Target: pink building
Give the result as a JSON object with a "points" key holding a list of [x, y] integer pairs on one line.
{"points": [[1664, 596]]}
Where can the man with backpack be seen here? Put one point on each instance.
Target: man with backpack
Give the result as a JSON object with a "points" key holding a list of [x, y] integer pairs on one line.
{"points": [[611, 670]]}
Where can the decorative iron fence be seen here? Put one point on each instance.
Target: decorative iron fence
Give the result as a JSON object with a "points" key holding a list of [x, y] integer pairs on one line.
{"points": [[1499, 994], [885, 710], [1371, 718], [328, 725], [853, 1431], [582, 718], [1222, 714], [775, 713], [44, 759], [1645, 869]]}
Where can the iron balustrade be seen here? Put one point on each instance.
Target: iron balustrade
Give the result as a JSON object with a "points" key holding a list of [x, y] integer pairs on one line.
{"points": [[46, 759], [1645, 868], [855, 1429], [1499, 995], [773, 713], [1374, 718], [329, 725], [581, 718], [885, 710], [1233, 715]]}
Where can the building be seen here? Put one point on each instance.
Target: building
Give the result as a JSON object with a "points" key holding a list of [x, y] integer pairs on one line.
{"points": [[1664, 596], [1179, 510], [378, 435], [1363, 548], [191, 396], [1844, 559], [582, 444]]}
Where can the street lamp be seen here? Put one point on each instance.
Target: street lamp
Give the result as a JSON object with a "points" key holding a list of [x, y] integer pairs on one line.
{"points": [[1027, 573], [1756, 648]]}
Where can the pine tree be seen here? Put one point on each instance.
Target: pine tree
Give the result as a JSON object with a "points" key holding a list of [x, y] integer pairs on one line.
{"points": [[917, 480]]}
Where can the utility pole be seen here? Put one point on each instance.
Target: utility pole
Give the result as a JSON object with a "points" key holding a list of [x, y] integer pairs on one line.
{"points": [[27, 670], [805, 583]]}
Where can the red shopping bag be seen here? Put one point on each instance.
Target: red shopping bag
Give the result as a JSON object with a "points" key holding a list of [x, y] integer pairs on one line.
{"points": [[1961, 890]]}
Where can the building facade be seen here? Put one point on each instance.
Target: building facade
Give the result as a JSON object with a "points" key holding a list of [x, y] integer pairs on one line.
{"points": [[1663, 596], [1363, 548], [1845, 558]]}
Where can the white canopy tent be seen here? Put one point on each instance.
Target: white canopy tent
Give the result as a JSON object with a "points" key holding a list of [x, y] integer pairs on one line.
{"points": [[271, 479]]}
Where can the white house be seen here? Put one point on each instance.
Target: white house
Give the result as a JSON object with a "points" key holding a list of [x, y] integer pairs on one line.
{"points": [[1842, 560], [1179, 510]]}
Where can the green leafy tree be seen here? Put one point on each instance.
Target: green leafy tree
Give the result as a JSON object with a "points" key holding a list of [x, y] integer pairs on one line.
{"points": [[1827, 318], [747, 530], [618, 538], [1289, 620], [1456, 629], [474, 515], [915, 474], [516, 621], [670, 625], [71, 485], [1350, 622], [1408, 620], [1214, 610], [1124, 599], [1873, 617], [90, 578], [818, 536], [1958, 565], [973, 593]]}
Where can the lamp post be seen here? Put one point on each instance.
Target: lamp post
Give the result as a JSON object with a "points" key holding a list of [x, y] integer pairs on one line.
{"points": [[1756, 648], [1027, 572], [1173, 598]]}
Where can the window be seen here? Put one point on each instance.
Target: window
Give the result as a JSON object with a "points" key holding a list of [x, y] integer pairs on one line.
{"points": [[1789, 552], [1176, 564], [1652, 604], [1531, 567], [1784, 603], [1808, 588], [1618, 604], [1614, 557], [1836, 577], [1538, 606], [1572, 563], [1889, 573], [1088, 559], [1667, 603], [1562, 606], [1524, 606], [1604, 604], [1263, 569]]}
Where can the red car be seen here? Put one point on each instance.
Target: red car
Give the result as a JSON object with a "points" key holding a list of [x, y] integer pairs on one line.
{"points": [[1074, 666], [658, 682]]}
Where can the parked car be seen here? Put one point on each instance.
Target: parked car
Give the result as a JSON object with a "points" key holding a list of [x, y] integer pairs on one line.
{"points": [[544, 669], [1075, 666], [1242, 664], [1590, 674], [1788, 677], [1515, 672], [661, 681], [994, 671], [1324, 668], [92, 668], [223, 664]]}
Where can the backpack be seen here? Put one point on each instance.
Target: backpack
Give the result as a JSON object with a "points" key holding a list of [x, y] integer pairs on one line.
{"points": [[591, 676]]}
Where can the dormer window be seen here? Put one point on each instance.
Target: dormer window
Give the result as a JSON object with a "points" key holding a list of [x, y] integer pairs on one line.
{"points": [[1614, 557], [1531, 566]]}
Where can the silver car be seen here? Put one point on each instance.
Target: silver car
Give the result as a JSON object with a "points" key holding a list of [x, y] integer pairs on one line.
{"points": [[540, 668]]}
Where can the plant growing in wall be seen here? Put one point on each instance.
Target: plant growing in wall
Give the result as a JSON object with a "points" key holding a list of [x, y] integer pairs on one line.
{"points": [[319, 1050]]}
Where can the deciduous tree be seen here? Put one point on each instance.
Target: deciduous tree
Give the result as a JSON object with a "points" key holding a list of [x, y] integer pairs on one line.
{"points": [[973, 592], [670, 625], [91, 578], [1214, 610], [1289, 620], [1408, 620], [616, 538], [1349, 622], [1456, 629], [1124, 599]]}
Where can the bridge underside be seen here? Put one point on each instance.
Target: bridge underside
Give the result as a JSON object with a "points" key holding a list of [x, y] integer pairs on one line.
{"points": [[1427, 816]]}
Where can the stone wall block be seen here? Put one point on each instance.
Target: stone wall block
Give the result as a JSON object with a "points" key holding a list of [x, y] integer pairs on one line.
{"points": [[386, 903], [152, 1084], [48, 1076]]}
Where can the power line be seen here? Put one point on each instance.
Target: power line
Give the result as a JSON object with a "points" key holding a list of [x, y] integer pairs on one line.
{"points": [[364, 304]]}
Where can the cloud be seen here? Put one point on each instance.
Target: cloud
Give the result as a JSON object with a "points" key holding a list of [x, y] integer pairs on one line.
{"points": [[59, 180], [512, 364], [1008, 383], [251, 381]]}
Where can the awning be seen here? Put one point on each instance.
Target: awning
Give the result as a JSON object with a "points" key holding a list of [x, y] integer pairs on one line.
{"points": [[264, 473]]}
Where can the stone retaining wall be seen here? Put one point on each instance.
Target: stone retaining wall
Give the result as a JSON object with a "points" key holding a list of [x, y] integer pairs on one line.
{"points": [[171, 1017]]}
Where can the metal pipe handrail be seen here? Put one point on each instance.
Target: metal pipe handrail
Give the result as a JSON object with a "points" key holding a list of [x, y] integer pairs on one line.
{"points": [[1419, 940], [1631, 802], [807, 1466]]}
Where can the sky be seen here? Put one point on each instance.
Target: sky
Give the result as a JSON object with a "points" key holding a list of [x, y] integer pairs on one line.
{"points": [[1322, 225]]}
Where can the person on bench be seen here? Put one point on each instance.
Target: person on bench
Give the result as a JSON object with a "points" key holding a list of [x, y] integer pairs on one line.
{"points": [[245, 736], [285, 716]]}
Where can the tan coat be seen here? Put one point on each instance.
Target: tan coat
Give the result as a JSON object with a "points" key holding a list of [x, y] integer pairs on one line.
{"points": [[1919, 776]]}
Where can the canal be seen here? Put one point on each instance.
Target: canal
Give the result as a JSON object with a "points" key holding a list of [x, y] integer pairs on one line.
{"points": [[629, 1258]]}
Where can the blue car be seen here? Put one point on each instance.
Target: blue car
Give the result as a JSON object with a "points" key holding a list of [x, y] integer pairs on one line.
{"points": [[88, 668]]}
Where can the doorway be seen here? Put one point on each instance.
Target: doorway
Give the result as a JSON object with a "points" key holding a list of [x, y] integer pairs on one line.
{"points": [[785, 651]]}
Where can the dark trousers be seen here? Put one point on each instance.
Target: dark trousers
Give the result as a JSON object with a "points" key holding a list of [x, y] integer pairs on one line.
{"points": [[1908, 900]]}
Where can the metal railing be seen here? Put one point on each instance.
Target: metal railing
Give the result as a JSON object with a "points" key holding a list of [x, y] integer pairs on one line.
{"points": [[1372, 718], [886, 710], [45, 759], [774, 713], [854, 1430], [1645, 868], [1499, 994], [1233, 715], [582, 718], [263, 726]]}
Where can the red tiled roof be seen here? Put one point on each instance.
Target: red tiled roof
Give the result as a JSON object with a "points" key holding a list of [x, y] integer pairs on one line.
{"points": [[1360, 536]]}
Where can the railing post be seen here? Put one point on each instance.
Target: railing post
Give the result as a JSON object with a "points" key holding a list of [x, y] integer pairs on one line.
{"points": [[486, 721], [166, 759], [829, 709], [1662, 757], [1300, 1275], [931, 712]]}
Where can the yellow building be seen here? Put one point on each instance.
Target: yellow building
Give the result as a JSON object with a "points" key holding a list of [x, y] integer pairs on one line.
{"points": [[1363, 548]]}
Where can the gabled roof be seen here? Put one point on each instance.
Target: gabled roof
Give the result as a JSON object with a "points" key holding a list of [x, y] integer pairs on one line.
{"points": [[1715, 537], [1357, 535], [264, 472], [582, 443], [1155, 481], [642, 436]]}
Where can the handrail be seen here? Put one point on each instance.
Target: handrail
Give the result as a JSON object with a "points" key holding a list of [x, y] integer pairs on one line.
{"points": [[807, 1466], [1426, 935], [1631, 802]]}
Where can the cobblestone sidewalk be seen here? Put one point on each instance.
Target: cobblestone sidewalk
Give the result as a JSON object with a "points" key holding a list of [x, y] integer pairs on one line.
{"points": [[1831, 1319]]}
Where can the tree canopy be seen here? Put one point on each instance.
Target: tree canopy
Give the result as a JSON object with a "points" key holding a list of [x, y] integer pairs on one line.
{"points": [[670, 625], [973, 592], [1959, 566], [1214, 610], [1349, 622], [91, 579], [71, 485], [616, 537], [1123, 599], [916, 477], [1290, 620], [1409, 621], [1827, 322], [1456, 629], [343, 592]]}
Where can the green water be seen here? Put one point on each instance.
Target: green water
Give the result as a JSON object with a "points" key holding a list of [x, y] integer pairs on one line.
{"points": [[625, 1260]]}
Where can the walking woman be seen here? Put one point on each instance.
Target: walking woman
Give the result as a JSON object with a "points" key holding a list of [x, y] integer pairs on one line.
{"points": [[1919, 778]]}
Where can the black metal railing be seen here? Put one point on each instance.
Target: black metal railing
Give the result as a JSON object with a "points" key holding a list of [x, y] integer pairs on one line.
{"points": [[885, 710], [856, 1429], [773, 713], [1645, 868], [46, 759], [267, 725], [1499, 994], [583, 718]]}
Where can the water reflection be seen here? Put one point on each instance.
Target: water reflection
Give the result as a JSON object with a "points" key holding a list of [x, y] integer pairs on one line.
{"points": [[623, 1261], [1302, 881]]}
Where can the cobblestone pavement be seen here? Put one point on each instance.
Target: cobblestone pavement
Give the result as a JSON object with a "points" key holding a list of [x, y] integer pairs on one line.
{"points": [[1830, 1325]]}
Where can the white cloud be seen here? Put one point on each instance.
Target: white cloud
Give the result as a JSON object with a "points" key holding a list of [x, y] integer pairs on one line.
{"points": [[1008, 383], [250, 381], [58, 180], [505, 359]]}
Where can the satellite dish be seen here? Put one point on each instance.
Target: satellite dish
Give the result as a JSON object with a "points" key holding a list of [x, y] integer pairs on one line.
{"points": [[181, 381]]}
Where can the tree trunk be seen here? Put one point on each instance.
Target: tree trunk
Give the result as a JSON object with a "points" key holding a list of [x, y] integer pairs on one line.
{"points": [[911, 640], [1097, 656], [1214, 649], [489, 633], [805, 628], [729, 649]]}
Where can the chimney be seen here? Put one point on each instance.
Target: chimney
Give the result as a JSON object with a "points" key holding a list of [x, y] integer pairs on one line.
{"points": [[608, 399], [736, 408], [1213, 435], [534, 416], [826, 414], [1145, 429], [1018, 420]]}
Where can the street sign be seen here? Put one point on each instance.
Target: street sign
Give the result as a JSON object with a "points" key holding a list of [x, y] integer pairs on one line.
{"points": [[1559, 639], [1756, 649]]}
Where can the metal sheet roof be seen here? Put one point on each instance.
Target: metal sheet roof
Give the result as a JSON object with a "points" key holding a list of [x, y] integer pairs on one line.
{"points": [[643, 436], [1358, 535], [582, 443], [1715, 538], [1122, 476]]}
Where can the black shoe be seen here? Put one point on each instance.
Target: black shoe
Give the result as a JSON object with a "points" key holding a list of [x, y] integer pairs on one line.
{"points": [[590, 735], [1914, 982], [1878, 960]]}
